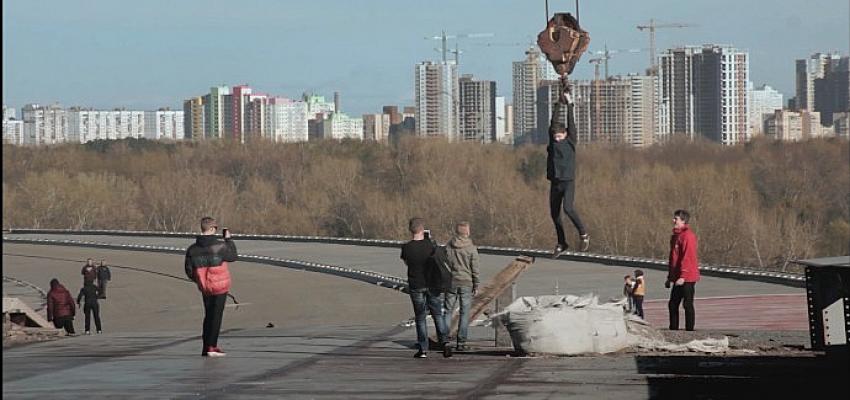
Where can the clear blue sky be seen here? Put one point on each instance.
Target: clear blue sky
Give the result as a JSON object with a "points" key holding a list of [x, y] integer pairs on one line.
{"points": [[154, 53]]}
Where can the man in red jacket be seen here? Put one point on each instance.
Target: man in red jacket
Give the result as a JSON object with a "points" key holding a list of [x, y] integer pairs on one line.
{"points": [[206, 265], [60, 307], [683, 272]]}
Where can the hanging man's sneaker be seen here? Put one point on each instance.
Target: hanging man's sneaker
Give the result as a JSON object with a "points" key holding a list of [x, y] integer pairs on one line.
{"points": [[585, 242], [447, 350], [559, 250]]}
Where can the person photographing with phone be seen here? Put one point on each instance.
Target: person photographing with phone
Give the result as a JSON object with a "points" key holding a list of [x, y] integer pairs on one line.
{"points": [[206, 265]]}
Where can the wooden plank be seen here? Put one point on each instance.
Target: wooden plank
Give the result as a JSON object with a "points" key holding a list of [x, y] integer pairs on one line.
{"points": [[494, 288]]}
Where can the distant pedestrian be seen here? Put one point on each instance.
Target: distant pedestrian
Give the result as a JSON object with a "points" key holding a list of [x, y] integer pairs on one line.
{"points": [[628, 287], [60, 307], [464, 262], [90, 293], [206, 265], [561, 173], [89, 271], [417, 254], [683, 270], [638, 292], [103, 276]]}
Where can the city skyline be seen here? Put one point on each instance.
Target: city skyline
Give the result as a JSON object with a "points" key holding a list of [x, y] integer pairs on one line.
{"points": [[369, 63]]}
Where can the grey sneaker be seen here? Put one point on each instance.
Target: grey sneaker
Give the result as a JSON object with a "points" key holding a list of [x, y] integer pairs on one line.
{"points": [[559, 250], [585, 242]]}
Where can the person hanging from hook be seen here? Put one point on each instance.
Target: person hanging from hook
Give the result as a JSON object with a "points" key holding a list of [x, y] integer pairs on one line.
{"points": [[563, 42]]}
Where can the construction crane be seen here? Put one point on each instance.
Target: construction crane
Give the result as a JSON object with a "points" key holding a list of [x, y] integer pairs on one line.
{"points": [[443, 37], [605, 55], [651, 28]]}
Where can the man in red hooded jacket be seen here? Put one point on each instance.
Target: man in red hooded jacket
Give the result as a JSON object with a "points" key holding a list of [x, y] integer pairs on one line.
{"points": [[60, 307], [683, 272]]}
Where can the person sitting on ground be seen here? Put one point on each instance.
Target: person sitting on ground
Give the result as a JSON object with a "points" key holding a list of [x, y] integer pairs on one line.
{"points": [[90, 293], [60, 307]]}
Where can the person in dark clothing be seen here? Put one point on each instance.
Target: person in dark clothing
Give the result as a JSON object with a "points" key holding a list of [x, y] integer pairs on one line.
{"points": [[60, 307], [206, 265], [90, 293], [89, 271], [103, 276], [561, 171], [417, 254]]}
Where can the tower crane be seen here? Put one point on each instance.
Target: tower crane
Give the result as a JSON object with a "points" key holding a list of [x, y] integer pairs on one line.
{"points": [[443, 37], [605, 55], [651, 27]]}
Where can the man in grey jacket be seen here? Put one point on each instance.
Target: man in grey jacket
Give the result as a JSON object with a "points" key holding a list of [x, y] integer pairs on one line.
{"points": [[463, 261]]}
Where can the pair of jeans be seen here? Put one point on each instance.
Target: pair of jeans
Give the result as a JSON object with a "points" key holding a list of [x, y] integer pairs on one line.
{"points": [[677, 294], [563, 193], [90, 309], [425, 300], [638, 305], [464, 295], [213, 314]]}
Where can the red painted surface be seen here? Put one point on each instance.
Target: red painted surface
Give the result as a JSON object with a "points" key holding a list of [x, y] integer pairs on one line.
{"points": [[767, 312]]}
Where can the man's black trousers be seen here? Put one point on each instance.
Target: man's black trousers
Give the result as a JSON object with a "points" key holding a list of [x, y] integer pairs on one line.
{"points": [[213, 313], [563, 193], [677, 294], [90, 309]]}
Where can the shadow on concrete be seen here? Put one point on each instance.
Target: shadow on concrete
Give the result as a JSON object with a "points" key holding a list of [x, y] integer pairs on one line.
{"points": [[778, 377]]}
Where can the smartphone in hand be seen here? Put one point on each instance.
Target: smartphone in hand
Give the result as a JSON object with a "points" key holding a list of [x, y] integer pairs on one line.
{"points": [[225, 233]]}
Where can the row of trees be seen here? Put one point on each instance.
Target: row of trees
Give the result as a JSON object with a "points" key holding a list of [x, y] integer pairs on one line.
{"points": [[761, 204]]}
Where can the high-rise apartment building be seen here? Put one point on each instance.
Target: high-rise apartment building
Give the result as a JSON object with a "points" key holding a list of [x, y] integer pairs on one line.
{"points": [[376, 127], [764, 101], [437, 99], [214, 110], [44, 124], [287, 120], [85, 125], [703, 91], [527, 75], [477, 110], [13, 131], [501, 119], [8, 113], [793, 126], [823, 85], [193, 118], [164, 124]]}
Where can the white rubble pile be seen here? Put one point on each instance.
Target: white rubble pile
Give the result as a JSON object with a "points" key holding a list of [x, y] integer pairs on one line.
{"points": [[570, 325]]}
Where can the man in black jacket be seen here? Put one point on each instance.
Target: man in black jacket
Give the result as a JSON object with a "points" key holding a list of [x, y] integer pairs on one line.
{"points": [[560, 171], [418, 254], [206, 265]]}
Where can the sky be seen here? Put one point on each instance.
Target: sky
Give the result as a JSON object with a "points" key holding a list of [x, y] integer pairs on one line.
{"points": [[156, 53]]}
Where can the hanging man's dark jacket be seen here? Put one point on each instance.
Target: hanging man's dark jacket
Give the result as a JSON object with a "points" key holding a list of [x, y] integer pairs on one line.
{"points": [[561, 156]]}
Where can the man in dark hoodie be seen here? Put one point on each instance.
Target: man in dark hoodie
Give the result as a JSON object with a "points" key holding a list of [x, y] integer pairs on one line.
{"points": [[90, 293], [418, 254], [560, 171], [206, 265], [463, 261], [60, 307]]}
